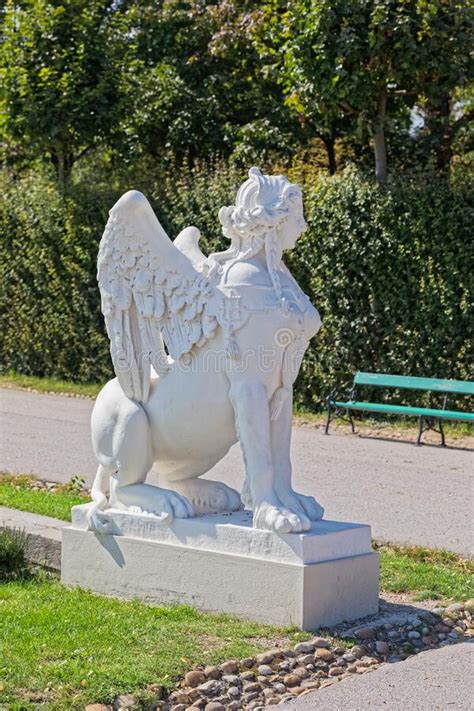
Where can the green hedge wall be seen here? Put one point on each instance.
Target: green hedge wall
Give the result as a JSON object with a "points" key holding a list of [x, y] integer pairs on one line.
{"points": [[391, 271]]}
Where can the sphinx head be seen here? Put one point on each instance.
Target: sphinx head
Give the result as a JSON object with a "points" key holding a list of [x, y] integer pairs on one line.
{"points": [[266, 206]]}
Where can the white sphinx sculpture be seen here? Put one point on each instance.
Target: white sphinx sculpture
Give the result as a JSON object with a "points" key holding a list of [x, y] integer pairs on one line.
{"points": [[206, 350]]}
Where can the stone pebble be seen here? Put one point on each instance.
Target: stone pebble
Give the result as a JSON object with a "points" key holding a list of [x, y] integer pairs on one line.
{"points": [[304, 648], [325, 654], [194, 678], [230, 667], [214, 706]]}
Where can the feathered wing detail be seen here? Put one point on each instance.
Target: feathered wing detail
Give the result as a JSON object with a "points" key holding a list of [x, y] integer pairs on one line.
{"points": [[188, 243], [152, 295]]}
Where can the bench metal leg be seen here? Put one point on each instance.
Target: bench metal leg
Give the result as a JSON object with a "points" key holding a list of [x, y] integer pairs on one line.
{"points": [[441, 431], [349, 415], [328, 420], [420, 432], [338, 415], [430, 426]]}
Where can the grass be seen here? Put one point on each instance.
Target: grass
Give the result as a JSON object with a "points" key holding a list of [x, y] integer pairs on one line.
{"points": [[49, 385], [61, 649], [65, 648], [16, 493], [425, 573]]}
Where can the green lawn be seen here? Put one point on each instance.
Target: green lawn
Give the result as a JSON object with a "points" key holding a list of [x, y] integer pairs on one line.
{"points": [[49, 385], [65, 648], [61, 648], [46, 503], [425, 573]]}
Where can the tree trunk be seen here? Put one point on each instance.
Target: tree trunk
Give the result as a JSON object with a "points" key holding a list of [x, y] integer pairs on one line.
{"points": [[329, 144], [442, 132], [380, 149], [63, 162]]}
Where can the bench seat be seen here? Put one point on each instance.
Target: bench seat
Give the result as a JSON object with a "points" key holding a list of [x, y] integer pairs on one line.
{"points": [[427, 415], [404, 410]]}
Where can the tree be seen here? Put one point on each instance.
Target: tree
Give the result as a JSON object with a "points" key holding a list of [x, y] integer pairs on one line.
{"points": [[271, 36], [192, 82], [59, 80], [371, 59], [446, 78]]}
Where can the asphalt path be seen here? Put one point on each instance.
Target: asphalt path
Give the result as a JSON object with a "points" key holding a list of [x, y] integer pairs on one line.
{"points": [[408, 494], [432, 681]]}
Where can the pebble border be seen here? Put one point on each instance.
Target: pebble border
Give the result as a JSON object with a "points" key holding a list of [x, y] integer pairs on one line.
{"points": [[279, 675]]}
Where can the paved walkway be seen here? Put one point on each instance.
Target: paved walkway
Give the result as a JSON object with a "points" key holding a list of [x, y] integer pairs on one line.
{"points": [[432, 681], [418, 495]]}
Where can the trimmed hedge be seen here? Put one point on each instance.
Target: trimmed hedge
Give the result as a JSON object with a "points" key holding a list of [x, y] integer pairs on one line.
{"points": [[50, 317], [390, 271]]}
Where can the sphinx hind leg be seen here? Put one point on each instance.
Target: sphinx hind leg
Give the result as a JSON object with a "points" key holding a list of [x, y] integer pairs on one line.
{"points": [[101, 486], [133, 459], [96, 520]]}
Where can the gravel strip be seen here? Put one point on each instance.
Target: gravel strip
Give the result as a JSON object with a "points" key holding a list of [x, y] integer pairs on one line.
{"points": [[279, 675]]}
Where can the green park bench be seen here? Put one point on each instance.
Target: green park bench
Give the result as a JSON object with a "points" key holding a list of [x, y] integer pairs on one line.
{"points": [[427, 415]]}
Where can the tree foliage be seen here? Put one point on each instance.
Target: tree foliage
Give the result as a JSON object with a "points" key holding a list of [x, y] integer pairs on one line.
{"points": [[371, 60], [60, 82], [192, 86], [241, 78]]}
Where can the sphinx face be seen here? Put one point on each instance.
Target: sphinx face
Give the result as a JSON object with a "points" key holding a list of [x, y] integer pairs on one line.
{"points": [[293, 227]]}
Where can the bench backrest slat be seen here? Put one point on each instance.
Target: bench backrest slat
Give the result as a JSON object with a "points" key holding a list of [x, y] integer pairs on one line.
{"points": [[385, 380]]}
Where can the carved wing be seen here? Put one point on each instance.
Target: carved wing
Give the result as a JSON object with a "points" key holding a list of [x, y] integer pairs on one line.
{"points": [[152, 294]]}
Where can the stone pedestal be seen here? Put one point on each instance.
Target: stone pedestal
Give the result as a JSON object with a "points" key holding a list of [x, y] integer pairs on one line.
{"points": [[220, 563]]}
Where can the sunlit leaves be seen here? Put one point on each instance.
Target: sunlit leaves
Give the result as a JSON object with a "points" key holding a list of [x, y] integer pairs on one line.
{"points": [[60, 79]]}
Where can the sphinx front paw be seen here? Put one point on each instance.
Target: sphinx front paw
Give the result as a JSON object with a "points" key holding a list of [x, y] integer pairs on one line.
{"points": [[305, 506], [273, 516]]}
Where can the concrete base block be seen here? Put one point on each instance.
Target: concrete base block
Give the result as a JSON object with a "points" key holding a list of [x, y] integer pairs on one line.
{"points": [[283, 580]]}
